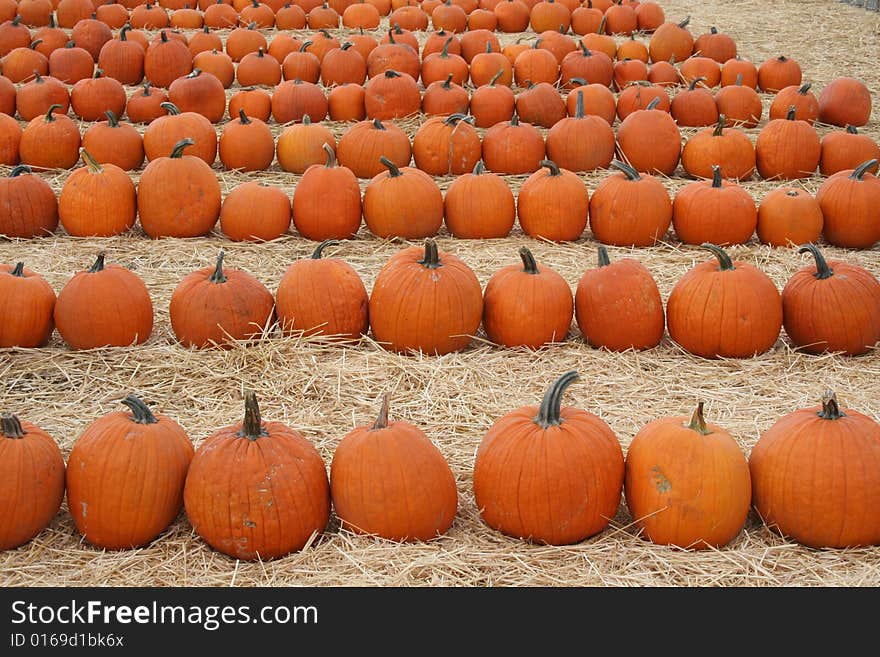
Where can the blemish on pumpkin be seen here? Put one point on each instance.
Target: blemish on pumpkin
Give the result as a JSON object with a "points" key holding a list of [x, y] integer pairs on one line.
{"points": [[85, 508], [250, 523], [660, 481]]}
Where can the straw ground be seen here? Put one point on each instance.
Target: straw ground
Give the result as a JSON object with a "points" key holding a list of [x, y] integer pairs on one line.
{"points": [[324, 390]]}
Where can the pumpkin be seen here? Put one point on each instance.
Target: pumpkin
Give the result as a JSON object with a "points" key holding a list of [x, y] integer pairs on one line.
{"points": [[777, 73], [628, 70], [205, 40], [693, 106], [486, 65], [845, 101], [700, 67], [402, 202], [361, 146], [512, 17], [256, 104], [513, 147], [240, 515], [492, 103], [246, 144], [145, 104], [638, 95], [32, 481], [255, 211], [553, 204], [149, 16], [445, 98], [527, 305], [629, 208], [535, 65], [97, 200], [787, 149], [649, 16], [598, 41], [244, 40], [450, 17], [618, 305], [186, 19], [715, 45], [125, 476], [93, 97], [164, 132], [549, 474], [50, 142], [201, 93], [362, 15], [592, 66], [15, 35], [122, 59], [325, 296], [633, 49], [294, 99], [581, 143], [343, 64], [178, 195], [21, 63], [741, 105], [687, 482], [27, 302], [301, 65], [71, 64], [440, 65], [549, 15], [846, 149], [51, 37], [220, 15], [393, 56], [664, 74], [389, 480], [806, 107], [739, 71], [728, 148], [831, 306], [435, 42], [392, 95], [217, 307], [598, 100], [262, 15], [815, 476], [479, 205], [849, 201], [585, 19], [10, 139], [104, 306], [425, 300], [446, 145], [717, 210], [671, 40], [649, 140], [8, 94], [789, 216], [28, 207], [541, 105], [302, 145], [112, 142], [166, 60], [478, 42], [723, 308], [327, 201]]}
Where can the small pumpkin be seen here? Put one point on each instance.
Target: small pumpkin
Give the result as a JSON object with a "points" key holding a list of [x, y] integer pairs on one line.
{"points": [[849, 201], [50, 142], [671, 40], [164, 132], [845, 101], [259, 69], [718, 210], [445, 98], [568, 464], [145, 104], [199, 92], [97, 200], [392, 95], [165, 60], [581, 143], [697, 67], [122, 59], [739, 71], [513, 147], [34, 98], [846, 149], [294, 99], [649, 140], [639, 96], [694, 106], [402, 202], [535, 65], [777, 73], [728, 148], [479, 205], [112, 142], [618, 305], [492, 103], [787, 149], [256, 103], [327, 201], [125, 476], [28, 207], [598, 100], [806, 107], [71, 64], [715, 45], [592, 66], [553, 204], [361, 146], [217, 63], [255, 211], [541, 105], [26, 302], [246, 144]]}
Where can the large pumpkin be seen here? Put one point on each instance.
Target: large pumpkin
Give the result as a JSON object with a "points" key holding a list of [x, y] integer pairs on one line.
{"points": [[649, 140], [97, 200], [31, 480], [718, 210], [831, 306], [361, 146], [513, 147], [327, 201], [125, 476], [28, 207], [687, 482], [402, 202], [724, 309], [553, 204], [728, 148], [845, 101], [787, 148], [549, 474], [581, 142], [27, 302], [789, 216], [446, 145], [425, 300], [479, 205], [816, 476], [388, 479], [228, 498], [849, 200]]}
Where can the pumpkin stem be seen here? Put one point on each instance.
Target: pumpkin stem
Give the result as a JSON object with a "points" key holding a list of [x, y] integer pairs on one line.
{"points": [[391, 73], [378, 124], [382, 419], [10, 426], [171, 108], [495, 77], [693, 85], [444, 52], [163, 36], [739, 80], [654, 102], [805, 88], [331, 155], [698, 422], [724, 261], [18, 271], [19, 169], [716, 176], [455, 119], [93, 164], [851, 129], [177, 151], [685, 22], [551, 406], [554, 168], [123, 33], [306, 120], [579, 106], [319, 250], [578, 81], [243, 117], [432, 255], [147, 86], [830, 407], [514, 120], [604, 260], [823, 271], [98, 266], [218, 276], [51, 111], [719, 127], [140, 412], [479, 168], [628, 171], [448, 83], [112, 119], [585, 52], [252, 427], [393, 169], [792, 111], [528, 260], [860, 171]]}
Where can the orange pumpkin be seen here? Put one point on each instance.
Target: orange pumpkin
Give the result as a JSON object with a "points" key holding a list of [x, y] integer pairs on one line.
{"points": [[728, 148], [361, 146], [650, 141], [845, 101], [165, 132], [479, 205], [492, 103], [327, 201], [787, 148], [715, 45], [777, 73], [846, 149], [789, 216], [553, 204], [255, 211], [112, 142], [513, 147], [28, 207], [27, 302], [671, 40], [806, 107], [581, 143], [446, 145], [849, 201], [97, 200], [402, 202], [717, 210], [50, 142]]}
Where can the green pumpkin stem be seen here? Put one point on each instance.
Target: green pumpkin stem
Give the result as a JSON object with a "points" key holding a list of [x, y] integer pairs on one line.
{"points": [[19, 169], [171, 108], [719, 127], [860, 171], [177, 151], [654, 102], [604, 260], [432, 255], [805, 88], [382, 419], [698, 422], [724, 261], [18, 270], [495, 77], [628, 171], [851, 129], [140, 412], [551, 407], [444, 52], [51, 111], [830, 407], [791, 115], [579, 105], [393, 169], [93, 164], [10, 426], [218, 276], [693, 85], [448, 83], [243, 117], [112, 119], [98, 266], [716, 177], [479, 168], [319, 250], [331, 156], [554, 168], [252, 427], [823, 271], [528, 260]]}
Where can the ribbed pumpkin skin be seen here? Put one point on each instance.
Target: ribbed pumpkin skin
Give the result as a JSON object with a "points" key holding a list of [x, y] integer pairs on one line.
{"points": [[255, 212], [684, 488], [327, 202], [724, 213], [618, 306], [323, 295], [849, 209], [553, 204], [650, 141], [479, 205], [407, 205], [556, 486], [278, 497], [789, 216], [392, 482], [125, 479], [724, 313], [28, 207], [26, 304], [818, 480], [97, 201], [837, 313], [787, 150], [627, 212], [413, 307], [111, 307], [206, 313], [31, 484]]}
